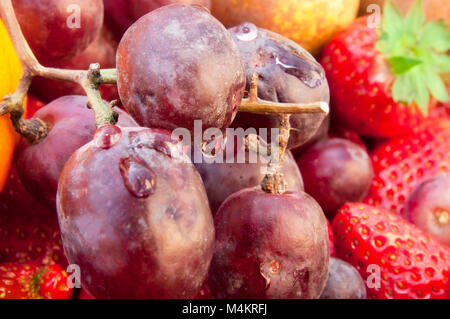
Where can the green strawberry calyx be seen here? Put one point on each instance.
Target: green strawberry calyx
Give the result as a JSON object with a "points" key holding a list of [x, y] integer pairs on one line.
{"points": [[417, 52]]}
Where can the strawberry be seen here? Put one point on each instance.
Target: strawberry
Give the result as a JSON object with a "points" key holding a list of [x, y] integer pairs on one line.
{"points": [[411, 264], [331, 240], [442, 110], [403, 163], [28, 231], [29, 281], [384, 82]]}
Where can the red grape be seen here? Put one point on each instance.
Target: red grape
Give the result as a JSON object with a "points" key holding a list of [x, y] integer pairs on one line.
{"points": [[344, 282], [72, 125], [135, 217], [321, 134], [121, 14], [223, 179], [269, 246], [428, 207], [178, 64], [52, 27], [102, 51], [32, 105], [287, 74], [336, 171]]}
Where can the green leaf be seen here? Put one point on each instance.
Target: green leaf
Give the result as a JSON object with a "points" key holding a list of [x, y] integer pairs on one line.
{"points": [[436, 86], [403, 89], [402, 64], [440, 63], [436, 36], [421, 95], [392, 19], [383, 46], [417, 53], [415, 18]]}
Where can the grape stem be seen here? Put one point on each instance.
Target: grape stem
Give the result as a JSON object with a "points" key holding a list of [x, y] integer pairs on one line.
{"points": [[35, 129], [253, 104], [273, 182]]}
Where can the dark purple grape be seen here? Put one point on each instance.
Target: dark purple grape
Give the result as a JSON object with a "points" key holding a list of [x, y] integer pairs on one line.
{"points": [[178, 64], [134, 216], [428, 207], [269, 246], [223, 179], [72, 125], [57, 30], [336, 171], [287, 74], [344, 282]]}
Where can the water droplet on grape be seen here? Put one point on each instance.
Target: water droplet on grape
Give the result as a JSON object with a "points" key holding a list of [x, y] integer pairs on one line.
{"points": [[107, 136], [139, 179], [168, 147], [247, 32]]}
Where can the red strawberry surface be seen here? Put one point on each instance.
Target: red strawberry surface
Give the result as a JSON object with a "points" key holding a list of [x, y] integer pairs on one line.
{"points": [[382, 81], [403, 163], [331, 239], [442, 110], [29, 281], [28, 231], [411, 263]]}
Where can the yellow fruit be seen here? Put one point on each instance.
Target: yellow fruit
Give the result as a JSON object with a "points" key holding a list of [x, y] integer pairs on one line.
{"points": [[10, 72], [311, 23]]}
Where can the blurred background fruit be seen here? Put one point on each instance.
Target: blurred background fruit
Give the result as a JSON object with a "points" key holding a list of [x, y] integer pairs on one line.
{"points": [[311, 23], [64, 33], [10, 72], [30, 281], [403, 163], [29, 232], [344, 282], [336, 171], [428, 207], [33, 105], [121, 14], [435, 9], [411, 264], [373, 90]]}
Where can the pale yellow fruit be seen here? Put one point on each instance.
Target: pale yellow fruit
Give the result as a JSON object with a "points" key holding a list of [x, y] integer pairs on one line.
{"points": [[311, 23]]}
